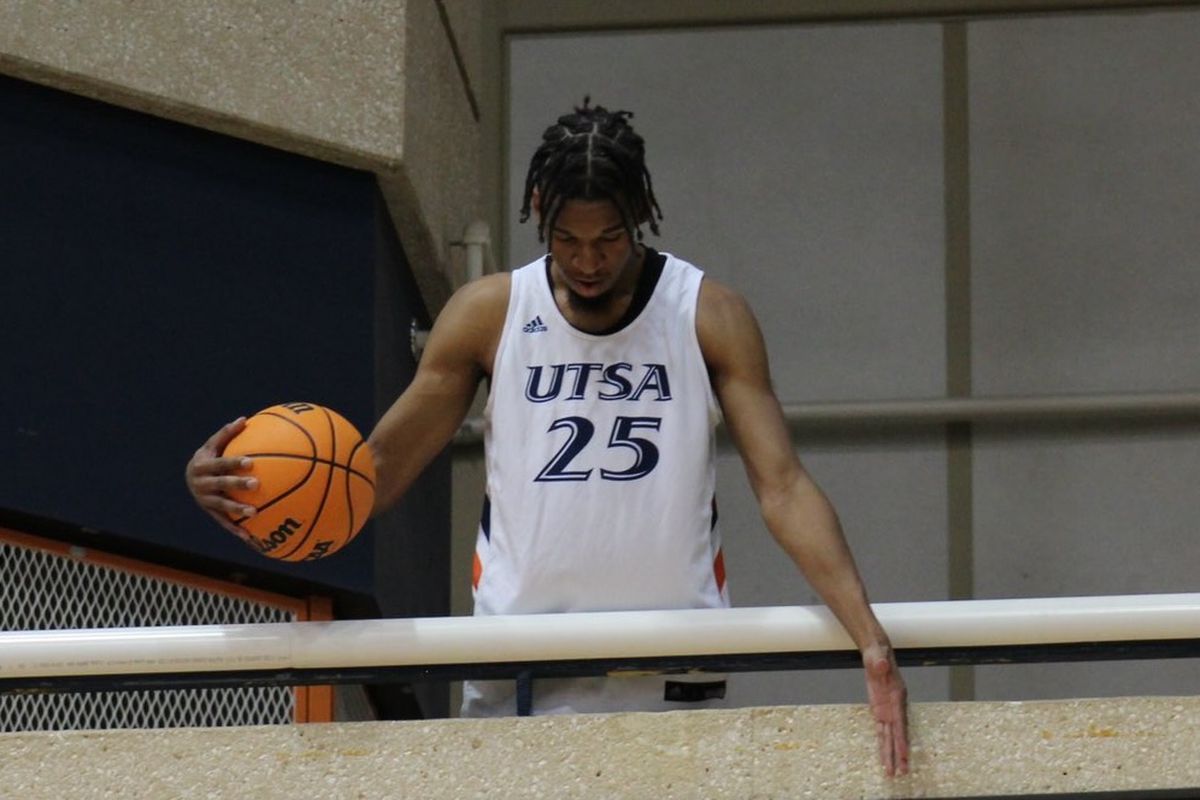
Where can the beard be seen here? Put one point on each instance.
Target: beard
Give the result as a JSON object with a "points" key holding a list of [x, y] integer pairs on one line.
{"points": [[589, 304]]}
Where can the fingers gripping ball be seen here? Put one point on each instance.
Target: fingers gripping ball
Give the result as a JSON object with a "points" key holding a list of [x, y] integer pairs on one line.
{"points": [[316, 481]]}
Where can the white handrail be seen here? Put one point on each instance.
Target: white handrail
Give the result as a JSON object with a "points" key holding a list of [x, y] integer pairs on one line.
{"points": [[596, 635]]}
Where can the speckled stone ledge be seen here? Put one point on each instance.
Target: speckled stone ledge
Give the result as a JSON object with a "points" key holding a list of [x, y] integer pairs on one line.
{"points": [[370, 84], [960, 750]]}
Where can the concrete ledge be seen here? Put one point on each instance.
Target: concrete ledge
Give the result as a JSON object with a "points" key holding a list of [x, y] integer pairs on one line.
{"points": [[960, 750], [325, 79]]}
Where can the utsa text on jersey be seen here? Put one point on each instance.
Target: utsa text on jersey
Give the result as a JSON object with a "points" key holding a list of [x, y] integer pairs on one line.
{"points": [[619, 381]]}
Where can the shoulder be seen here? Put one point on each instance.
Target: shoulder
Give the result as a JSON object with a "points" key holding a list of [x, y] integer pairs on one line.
{"points": [[721, 310], [484, 300], [484, 293], [725, 325], [469, 325], [719, 302]]}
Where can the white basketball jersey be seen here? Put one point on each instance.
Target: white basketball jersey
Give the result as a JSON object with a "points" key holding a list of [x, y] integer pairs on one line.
{"points": [[600, 476]]}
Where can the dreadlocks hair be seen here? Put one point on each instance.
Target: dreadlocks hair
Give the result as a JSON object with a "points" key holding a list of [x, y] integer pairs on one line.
{"points": [[592, 154]]}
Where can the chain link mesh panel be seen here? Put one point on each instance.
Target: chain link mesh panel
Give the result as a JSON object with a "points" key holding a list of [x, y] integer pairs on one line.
{"points": [[41, 590]]}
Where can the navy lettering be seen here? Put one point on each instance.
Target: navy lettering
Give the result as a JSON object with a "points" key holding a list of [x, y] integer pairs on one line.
{"points": [[533, 385], [656, 379], [576, 380], [646, 450], [582, 373], [580, 432], [614, 378]]}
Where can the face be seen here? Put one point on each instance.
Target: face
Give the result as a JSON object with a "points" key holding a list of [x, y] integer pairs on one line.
{"points": [[592, 253]]}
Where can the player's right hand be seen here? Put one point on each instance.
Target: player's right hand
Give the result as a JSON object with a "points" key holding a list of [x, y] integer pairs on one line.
{"points": [[888, 697], [209, 474]]}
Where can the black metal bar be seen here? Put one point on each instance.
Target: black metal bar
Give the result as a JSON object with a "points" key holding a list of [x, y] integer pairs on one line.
{"points": [[748, 662], [525, 693], [1119, 794]]}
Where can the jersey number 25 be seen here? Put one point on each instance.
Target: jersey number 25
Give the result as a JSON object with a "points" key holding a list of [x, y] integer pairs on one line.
{"points": [[581, 430]]}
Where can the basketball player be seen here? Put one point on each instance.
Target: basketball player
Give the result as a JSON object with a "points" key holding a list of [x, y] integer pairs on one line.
{"points": [[609, 365]]}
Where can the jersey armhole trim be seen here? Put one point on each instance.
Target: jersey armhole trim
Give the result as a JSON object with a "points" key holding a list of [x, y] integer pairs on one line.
{"points": [[714, 405], [507, 331]]}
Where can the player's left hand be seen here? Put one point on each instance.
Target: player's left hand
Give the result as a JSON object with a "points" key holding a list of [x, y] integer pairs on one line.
{"points": [[888, 697]]}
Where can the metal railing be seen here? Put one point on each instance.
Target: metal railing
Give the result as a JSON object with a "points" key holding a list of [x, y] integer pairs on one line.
{"points": [[1121, 408], [1000, 631]]}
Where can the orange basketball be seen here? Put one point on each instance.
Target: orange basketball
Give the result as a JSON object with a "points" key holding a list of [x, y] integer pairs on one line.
{"points": [[316, 481]]}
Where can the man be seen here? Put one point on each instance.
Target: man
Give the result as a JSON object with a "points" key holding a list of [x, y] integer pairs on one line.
{"points": [[609, 365]]}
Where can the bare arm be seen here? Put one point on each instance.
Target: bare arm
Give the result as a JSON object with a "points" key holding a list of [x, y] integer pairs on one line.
{"points": [[795, 510], [419, 424], [422, 421]]}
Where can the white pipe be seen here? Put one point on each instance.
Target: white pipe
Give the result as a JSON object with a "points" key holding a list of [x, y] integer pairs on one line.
{"points": [[598, 635], [998, 409], [477, 239], [978, 410]]}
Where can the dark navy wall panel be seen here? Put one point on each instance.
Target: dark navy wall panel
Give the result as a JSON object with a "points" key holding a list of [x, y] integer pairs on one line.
{"points": [[157, 281]]}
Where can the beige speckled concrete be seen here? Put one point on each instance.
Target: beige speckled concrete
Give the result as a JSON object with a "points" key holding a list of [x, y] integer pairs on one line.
{"points": [[370, 84], [436, 192], [465, 20], [960, 750]]}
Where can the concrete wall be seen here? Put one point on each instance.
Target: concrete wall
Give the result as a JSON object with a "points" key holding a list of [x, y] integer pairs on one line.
{"points": [[959, 750], [1085, 254]]}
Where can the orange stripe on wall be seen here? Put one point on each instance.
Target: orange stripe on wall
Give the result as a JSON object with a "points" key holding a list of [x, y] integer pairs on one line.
{"points": [[476, 570], [316, 703], [312, 703], [87, 555]]}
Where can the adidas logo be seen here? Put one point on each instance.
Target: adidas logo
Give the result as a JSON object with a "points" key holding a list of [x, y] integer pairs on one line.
{"points": [[535, 325]]}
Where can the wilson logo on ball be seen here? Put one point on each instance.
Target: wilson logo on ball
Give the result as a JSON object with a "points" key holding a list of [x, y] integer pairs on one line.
{"points": [[279, 535], [319, 550], [298, 408]]}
